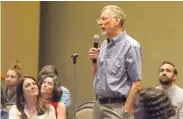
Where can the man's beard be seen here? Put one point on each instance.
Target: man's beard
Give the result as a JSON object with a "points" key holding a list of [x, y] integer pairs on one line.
{"points": [[166, 80], [104, 33]]}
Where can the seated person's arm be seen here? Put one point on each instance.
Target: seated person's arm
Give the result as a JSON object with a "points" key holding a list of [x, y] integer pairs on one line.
{"points": [[65, 97], [61, 109]]}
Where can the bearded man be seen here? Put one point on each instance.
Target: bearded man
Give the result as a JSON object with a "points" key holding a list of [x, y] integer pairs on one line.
{"points": [[167, 76]]}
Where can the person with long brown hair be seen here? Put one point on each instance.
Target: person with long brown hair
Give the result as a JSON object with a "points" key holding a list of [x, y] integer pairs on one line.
{"points": [[51, 92], [29, 103], [51, 69]]}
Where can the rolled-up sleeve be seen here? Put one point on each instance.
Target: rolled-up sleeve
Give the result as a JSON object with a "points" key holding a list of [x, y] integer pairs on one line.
{"points": [[134, 61]]}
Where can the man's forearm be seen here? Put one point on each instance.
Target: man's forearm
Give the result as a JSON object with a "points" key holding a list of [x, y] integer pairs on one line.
{"points": [[129, 102]]}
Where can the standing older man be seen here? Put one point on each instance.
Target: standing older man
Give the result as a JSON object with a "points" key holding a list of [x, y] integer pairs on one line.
{"points": [[167, 77], [118, 68]]}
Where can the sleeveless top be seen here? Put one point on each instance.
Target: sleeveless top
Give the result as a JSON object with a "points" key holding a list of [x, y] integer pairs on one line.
{"points": [[55, 105]]}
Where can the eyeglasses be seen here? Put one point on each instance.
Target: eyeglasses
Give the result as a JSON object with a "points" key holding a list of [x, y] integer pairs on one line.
{"points": [[104, 19]]}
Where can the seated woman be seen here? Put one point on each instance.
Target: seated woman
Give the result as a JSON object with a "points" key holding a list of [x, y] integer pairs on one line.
{"points": [[29, 105], [51, 92], [51, 69], [152, 103], [9, 93]]}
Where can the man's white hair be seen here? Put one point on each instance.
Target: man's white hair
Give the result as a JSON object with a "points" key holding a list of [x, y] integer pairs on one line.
{"points": [[117, 11]]}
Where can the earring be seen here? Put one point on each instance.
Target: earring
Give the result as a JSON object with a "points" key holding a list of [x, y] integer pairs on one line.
{"points": [[22, 101]]}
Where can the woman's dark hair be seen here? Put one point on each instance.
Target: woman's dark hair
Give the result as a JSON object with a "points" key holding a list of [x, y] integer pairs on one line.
{"points": [[57, 91], [156, 103], [41, 106]]}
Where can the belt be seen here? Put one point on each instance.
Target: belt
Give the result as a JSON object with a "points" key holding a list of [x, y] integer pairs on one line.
{"points": [[111, 100]]}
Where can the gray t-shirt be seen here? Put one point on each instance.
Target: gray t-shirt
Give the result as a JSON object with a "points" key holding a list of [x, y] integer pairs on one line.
{"points": [[9, 99], [175, 94]]}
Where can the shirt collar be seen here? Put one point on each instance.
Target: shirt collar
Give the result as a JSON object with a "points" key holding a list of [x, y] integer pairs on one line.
{"points": [[168, 89], [27, 113], [117, 38]]}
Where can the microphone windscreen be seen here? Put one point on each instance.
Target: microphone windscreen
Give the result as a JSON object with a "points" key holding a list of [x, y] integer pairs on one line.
{"points": [[96, 38]]}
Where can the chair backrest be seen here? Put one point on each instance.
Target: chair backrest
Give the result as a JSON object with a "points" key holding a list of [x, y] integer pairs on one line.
{"points": [[87, 103], [83, 113], [84, 110]]}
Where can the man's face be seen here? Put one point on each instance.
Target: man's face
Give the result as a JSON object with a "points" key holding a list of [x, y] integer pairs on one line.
{"points": [[166, 75], [107, 22]]}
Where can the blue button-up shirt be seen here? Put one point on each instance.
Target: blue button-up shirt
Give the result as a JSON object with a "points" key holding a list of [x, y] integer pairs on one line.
{"points": [[119, 64]]}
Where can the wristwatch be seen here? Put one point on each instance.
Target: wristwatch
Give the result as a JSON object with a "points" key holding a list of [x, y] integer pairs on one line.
{"points": [[125, 113]]}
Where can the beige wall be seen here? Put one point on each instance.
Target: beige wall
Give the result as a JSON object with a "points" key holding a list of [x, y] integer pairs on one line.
{"points": [[20, 35], [156, 25], [68, 27]]}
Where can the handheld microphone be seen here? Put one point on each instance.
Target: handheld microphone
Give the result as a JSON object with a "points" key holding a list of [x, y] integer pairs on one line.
{"points": [[95, 44]]}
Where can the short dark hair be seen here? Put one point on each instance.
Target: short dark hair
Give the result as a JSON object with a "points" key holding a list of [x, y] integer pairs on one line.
{"points": [[167, 62], [48, 69], [41, 107], [156, 103]]}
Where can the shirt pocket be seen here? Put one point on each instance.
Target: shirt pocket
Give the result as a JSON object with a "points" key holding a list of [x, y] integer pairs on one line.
{"points": [[115, 66]]}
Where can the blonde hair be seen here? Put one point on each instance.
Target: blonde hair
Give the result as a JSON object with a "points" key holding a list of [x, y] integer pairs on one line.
{"points": [[117, 11], [17, 68]]}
